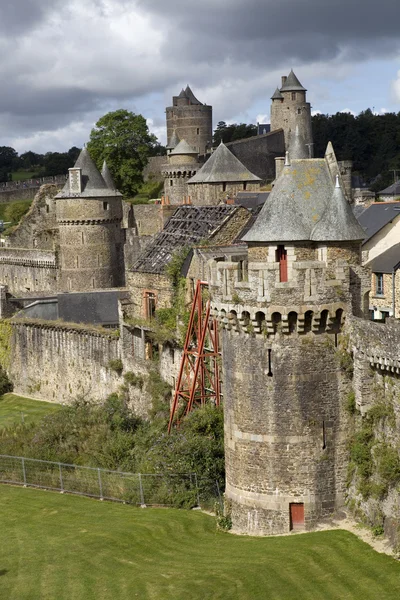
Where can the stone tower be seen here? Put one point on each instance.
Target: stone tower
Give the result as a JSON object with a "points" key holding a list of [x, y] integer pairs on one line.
{"points": [[182, 165], [89, 214], [281, 311], [290, 111], [191, 120]]}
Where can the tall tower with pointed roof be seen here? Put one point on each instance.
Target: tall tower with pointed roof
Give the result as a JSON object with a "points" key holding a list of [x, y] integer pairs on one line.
{"points": [[191, 120], [89, 214], [281, 310], [291, 112]]}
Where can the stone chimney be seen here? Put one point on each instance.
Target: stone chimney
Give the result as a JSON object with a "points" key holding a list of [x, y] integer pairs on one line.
{"points": [[75, 180], [283, 80], [279, 164]]}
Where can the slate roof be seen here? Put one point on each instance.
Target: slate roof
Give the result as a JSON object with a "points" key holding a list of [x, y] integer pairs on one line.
{"points": [[174, 141], [189, 94], [188, 225], [385, 262], [377, 216], [337, 224], [98, 308], [106, 175], [223, 166], [93, 184], [183, 148], [251, 200], [292, 84], [392, 190], [277, 95], [302, 196]]}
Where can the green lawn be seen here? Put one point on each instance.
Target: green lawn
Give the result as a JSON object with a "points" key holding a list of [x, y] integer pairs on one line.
{"points": [[22, 175], [15, 409], [63, 547]]}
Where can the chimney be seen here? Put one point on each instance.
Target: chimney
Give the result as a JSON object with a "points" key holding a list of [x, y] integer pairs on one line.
{"points": [[75, 180], [283, 80]]}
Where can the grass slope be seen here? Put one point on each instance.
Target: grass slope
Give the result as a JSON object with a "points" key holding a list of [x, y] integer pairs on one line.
{"points": [[13, 407], [65, 547]]}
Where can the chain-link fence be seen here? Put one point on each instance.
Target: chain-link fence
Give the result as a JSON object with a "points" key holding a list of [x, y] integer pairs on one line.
{"points": [[144, 489]]}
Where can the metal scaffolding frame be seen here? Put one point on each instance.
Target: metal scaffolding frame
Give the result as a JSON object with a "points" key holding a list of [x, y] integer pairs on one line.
{"points": [[199, 379]]}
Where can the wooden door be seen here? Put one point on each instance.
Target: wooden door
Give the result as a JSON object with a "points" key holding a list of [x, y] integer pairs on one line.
{"points": [[296, 516], [281, 257]]}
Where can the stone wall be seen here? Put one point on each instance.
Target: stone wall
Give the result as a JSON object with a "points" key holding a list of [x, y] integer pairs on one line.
{"points": [[140, 283], [212, 194], [258, 153], [285, 425], [61, 362], [373, 489], [28, 270]]}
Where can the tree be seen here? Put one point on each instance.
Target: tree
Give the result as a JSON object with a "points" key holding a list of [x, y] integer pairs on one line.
{"points": [[230, 133], [123, 140]]}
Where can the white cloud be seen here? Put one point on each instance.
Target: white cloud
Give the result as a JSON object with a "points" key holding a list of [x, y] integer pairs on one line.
{"points": [[396, 88]]}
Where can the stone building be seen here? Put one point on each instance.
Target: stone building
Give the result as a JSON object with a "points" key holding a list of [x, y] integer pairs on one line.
{"points": [[281, 312], [183, 163], [290, 111], [191, 120], [221, 177]]}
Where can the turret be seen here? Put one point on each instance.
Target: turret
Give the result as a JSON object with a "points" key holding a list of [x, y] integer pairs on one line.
{"points": [[290, 110], [281, 312], [89, 214], [181, 166]]}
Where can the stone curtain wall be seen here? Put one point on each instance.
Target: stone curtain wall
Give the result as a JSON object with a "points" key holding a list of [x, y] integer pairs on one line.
{"points": [[28, 270], [59, 363], [258, 153], [376, 384]]}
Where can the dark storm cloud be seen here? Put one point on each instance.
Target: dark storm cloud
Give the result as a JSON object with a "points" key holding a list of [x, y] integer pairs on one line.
{"points": [[66, 60], [269, 31]]}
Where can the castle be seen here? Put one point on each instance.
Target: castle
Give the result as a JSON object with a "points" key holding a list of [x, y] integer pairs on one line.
{"points": [[286, 284]]}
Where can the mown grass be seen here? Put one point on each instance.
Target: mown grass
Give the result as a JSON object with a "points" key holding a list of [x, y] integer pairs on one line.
{"points": [[22, 175], [65, 547], [17, 409]]}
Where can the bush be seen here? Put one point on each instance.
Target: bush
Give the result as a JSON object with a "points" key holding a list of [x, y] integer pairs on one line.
{"points": [[5, 384], [116, 365]]}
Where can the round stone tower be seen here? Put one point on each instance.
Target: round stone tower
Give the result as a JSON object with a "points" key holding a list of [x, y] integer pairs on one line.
{"points": [[290, 111], [89, 214], [182, 165], [281, 312], [190, 120]]}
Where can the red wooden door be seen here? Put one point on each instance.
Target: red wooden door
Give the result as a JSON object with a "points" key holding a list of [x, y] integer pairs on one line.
{"points": [[296, 516], [282, 259]]}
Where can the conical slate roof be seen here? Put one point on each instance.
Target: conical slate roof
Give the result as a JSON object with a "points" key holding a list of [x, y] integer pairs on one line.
{"points": [[106, 175], [297, 145], [173, 142], [92, 182], [304, 205], [338, 223], [191, 96], [183, 148], [277, 95], [223, 166], [292, 84]]}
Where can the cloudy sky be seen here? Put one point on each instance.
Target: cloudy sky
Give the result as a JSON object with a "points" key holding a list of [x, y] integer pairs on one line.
{"points": [[65, 63]]}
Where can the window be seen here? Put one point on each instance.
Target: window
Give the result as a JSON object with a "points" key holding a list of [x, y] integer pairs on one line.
{"points": [[281, 258], [243, 274], [245, 186], [379, 284], [105, 205], [299, 111], [224, 187], [171, 182], [293, 95], [149, 304], [198, 131]]}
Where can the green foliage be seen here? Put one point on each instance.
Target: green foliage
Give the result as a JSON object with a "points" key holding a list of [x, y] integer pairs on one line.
{"points": [[14, 211], [387, 464], [131, 378], [122, 138], [6, 331], [351, 403], [5, 384], [116, 365], [229, 133], [236, 299], [223, 516], [150, 189], [174, 267]]}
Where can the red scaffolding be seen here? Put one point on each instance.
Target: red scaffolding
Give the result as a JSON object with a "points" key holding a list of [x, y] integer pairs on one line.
{"points": [[198, 381]]}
